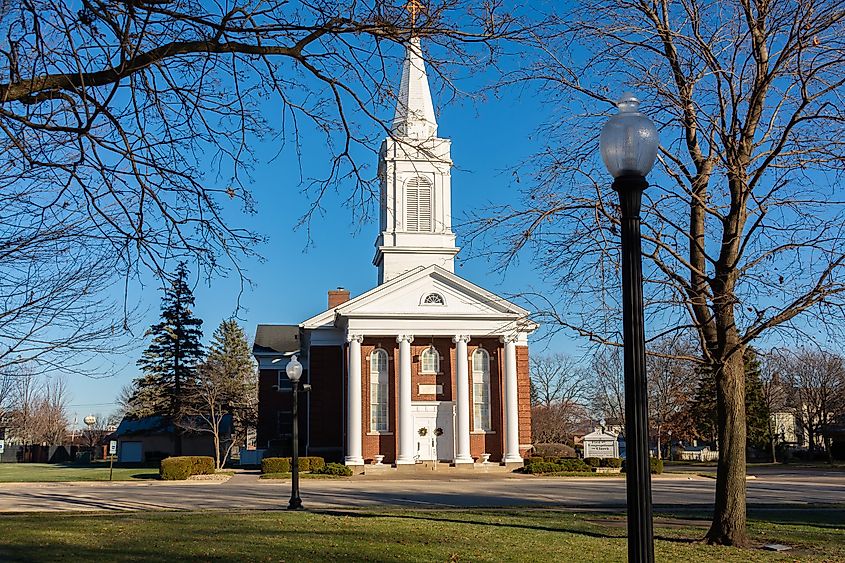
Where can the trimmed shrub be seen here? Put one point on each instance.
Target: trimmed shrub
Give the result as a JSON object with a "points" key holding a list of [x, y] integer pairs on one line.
{"points": [[611, 462], [275, 465], [311, 463], [181, 467], [572, 464], [562, 465], [593, 461], [656, 465], [334, 469], [282, 464], [554, 450], [528, 461]]}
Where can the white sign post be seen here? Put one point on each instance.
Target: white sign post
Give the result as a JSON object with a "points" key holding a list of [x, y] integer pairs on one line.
{"points": [[112, 451]]}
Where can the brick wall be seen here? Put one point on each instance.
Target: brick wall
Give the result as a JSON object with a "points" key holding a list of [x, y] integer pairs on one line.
{"points": [[524, 395]]}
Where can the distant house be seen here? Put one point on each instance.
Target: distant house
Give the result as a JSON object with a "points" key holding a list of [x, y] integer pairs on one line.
{"points": [[152, 438], [686, 452]]}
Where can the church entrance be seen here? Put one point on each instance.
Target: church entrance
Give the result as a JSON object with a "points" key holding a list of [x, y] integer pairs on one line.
{"points": [[433, 422]]}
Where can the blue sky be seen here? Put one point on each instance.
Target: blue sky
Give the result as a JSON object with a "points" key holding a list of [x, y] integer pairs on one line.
{"points": [[489, 137]]}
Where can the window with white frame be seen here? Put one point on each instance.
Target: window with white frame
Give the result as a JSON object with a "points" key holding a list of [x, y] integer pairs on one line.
{"points": [[379, 391], [434, 299], [418, 205], [430, 360], [481, 390]]}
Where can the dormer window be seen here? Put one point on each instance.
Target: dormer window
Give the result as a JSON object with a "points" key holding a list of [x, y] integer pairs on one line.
{"points": [[434, 299]]}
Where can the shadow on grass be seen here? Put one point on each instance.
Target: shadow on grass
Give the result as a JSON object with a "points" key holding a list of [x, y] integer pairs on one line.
{"points": [[521, 525], [146, 476]]}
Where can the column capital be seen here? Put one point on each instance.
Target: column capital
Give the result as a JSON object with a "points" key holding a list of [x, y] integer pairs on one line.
{"points": [[510, 337], [461, 338], [359, 338], [405, 337]]}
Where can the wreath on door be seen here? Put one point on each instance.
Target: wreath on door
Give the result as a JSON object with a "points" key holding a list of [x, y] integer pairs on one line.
{"points": [[438, 431], [423, 431]]}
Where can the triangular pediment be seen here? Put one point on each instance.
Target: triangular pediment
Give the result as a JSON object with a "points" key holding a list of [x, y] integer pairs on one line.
{"points": [[425, 292]]}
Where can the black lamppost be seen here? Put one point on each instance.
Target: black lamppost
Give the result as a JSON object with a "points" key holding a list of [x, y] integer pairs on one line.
{"points": [[628, 145], [294, 371]]}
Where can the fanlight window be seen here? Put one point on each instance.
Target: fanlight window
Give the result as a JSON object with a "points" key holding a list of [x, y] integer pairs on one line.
{"points": [[378, 392], [430, 360], [418, 205], [481, 390], [434, 299]]}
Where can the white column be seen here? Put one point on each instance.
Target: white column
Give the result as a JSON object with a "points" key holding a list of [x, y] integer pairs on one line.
{"points": [[405, 454], [511, 402], [353, 402], [462, 453]]}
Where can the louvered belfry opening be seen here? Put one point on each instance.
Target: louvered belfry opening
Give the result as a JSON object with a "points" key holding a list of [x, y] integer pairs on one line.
{"points": [[418, 202]]}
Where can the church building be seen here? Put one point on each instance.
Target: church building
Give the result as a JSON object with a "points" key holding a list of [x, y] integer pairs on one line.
{"points": [[424, 367]]}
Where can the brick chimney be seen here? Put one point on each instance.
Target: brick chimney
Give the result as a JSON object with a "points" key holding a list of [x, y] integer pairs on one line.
{"points": [[337, 297]]}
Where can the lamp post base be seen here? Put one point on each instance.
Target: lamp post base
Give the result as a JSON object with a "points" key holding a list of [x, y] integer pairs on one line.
{"points": [[295, 504]]}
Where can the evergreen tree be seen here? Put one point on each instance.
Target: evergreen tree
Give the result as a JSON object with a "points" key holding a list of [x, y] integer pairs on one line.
{"points": [[169, 361], [702, 409], [226, 385]]}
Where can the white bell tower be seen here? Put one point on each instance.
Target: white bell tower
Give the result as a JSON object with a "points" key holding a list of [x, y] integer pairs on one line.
{"points": [[414, 173]]}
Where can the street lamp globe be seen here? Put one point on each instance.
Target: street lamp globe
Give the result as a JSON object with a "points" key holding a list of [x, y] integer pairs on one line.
{"points": [[294, 369], [90, 420], [629, 140]]}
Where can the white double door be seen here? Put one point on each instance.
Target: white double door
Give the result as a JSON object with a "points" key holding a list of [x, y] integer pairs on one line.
{"points": [[433, 422]]}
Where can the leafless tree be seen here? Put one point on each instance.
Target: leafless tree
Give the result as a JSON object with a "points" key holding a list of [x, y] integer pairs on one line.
{"points": [[608, 398], [222, 404], [671, 384], [775, 391], [92, 435], [559, 388], [742, 227], [128, 132], [38, 409], [816, 380]]}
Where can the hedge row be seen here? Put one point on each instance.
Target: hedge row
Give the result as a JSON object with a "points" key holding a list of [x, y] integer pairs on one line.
{"points": [[282, 464], [539, 465], [181, 467], [334, 469], [656, 466]]}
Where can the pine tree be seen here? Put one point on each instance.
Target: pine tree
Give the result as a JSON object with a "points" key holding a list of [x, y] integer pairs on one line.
{"points": [[227, 384], [702, 410], [169, 361]]}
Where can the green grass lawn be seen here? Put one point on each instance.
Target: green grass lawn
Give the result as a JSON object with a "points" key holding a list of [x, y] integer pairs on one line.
{"points": [[56, 472], [401, 535]]}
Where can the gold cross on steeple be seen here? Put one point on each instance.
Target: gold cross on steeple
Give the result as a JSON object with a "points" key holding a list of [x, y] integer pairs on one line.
{"points": [[414, 7]]}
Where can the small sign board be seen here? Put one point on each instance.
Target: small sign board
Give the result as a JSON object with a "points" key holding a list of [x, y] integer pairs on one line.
{"points": [[112, 447], [2, 446]]}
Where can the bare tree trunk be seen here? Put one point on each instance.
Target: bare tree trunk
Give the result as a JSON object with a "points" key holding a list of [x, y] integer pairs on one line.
{"points": [[729, 517]]}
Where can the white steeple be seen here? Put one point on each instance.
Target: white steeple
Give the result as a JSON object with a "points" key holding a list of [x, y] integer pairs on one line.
{"points": [[414, 116], [414, 169]]}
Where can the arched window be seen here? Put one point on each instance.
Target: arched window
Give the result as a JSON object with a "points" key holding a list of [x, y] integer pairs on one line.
{"points": [[434, 299], [481, 390], [418, 205], [379, 391], [429, 360]]}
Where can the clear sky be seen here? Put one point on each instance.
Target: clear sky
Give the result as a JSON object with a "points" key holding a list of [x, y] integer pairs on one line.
{"points": [[489, 137]]}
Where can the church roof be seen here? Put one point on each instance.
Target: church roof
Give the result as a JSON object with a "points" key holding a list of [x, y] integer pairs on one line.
{"points": [[276, 339], [414, 116], [403, 295]]}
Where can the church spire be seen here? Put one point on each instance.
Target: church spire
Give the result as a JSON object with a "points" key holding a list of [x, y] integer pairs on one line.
{"points": [[414, 116]]}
